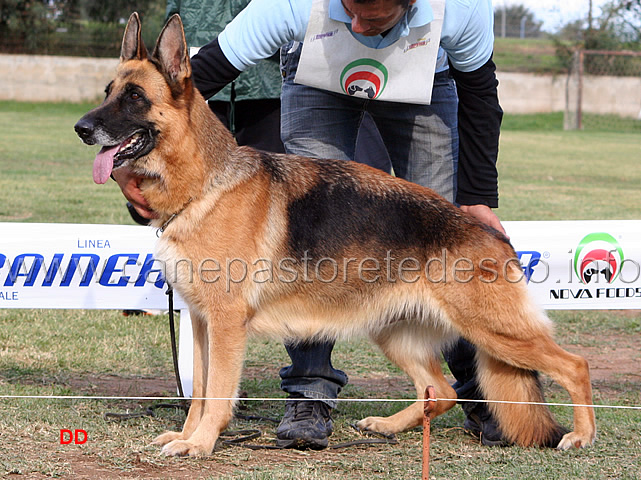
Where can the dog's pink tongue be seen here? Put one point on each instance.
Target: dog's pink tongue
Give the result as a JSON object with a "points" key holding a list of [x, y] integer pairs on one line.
{"points": [[104, 164]]}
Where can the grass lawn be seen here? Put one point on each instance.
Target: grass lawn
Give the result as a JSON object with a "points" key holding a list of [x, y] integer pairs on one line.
{"points": [[45, 176]]}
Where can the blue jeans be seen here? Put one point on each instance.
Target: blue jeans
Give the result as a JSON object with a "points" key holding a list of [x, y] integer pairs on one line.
{"points": [[422, 142]]}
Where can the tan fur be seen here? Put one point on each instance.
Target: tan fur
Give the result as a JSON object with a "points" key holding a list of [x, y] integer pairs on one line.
{"points": [[219, 202]]}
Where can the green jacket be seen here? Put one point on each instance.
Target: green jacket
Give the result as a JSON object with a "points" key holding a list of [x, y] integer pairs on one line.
{"points": [[203, 21]]}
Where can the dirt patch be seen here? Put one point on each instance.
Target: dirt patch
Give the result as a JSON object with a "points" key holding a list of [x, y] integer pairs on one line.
{"points": [[612, 358], [89, 467], [117, 386], [617, 358], [74, 463]]}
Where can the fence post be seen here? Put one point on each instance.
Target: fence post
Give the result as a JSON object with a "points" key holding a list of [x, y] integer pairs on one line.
{"points": [[430, 400], [573, 93], [579, 100]]}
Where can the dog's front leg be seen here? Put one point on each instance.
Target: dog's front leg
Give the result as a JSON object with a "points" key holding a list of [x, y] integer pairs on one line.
{"points": [[201, 351], [226, 340]]}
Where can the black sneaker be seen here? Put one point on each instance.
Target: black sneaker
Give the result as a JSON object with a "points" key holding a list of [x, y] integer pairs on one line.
{"points": [[305, 424], [480, 423]]}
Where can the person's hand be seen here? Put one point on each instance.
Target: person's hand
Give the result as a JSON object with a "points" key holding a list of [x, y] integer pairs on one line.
{"points": [[129, 183], [485, 214]]}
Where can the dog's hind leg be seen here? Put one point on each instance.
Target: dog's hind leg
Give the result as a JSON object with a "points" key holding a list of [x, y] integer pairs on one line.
{"points": [[225, 346], [573, 374], [413, 350], [534, 424], [514, 343], [201, 359]]}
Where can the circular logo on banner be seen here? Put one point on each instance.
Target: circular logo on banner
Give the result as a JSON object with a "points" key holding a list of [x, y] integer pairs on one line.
{"points": [[364, 78], [598, 258]]}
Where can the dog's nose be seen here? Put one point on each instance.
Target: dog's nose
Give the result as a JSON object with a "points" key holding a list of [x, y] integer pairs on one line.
{"points": [[84, 129]]}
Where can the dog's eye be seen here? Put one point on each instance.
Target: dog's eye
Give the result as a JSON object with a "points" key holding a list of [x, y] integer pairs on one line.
{"points": [[134, 96]]}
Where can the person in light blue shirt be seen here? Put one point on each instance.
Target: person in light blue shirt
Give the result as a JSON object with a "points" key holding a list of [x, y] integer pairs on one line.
{"points": [[423, 71], [465, 36], [466, 49]]}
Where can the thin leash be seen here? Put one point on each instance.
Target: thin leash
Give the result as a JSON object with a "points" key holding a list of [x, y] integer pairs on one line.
{"points": [[182, 401], [172, 333]]}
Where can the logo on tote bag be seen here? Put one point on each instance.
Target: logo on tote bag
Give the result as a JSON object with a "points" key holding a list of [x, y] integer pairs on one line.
{"points": [[365, 78]]}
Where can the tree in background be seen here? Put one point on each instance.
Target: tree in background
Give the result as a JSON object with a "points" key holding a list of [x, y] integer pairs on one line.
{"points": [[516, 21], [617, 28], [73, 27], [24, 24]]}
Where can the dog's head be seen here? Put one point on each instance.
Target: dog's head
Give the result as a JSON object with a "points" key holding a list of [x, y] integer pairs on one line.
{"points": [[134, 119]]}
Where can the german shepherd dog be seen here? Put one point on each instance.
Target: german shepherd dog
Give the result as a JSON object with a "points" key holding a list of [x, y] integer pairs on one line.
{"points": [[301, 249]]}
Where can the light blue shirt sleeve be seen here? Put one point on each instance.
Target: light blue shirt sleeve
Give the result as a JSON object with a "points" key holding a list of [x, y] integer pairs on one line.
{"points": [[262, 28], [468, 33]]}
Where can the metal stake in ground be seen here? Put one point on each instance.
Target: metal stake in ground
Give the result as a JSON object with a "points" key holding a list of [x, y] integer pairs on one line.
{"points": [[430, 402]]}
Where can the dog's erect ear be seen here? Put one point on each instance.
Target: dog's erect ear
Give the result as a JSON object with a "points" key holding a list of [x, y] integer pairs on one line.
{"points": [[171, 51], [132, 45]]}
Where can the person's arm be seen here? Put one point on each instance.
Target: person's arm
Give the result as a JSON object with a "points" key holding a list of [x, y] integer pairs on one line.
{"points": [[479, 119], [468, 39], [211, 70]]}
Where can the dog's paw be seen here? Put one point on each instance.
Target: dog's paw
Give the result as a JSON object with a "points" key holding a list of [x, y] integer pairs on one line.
{"points": [[184, 448], [377, 424], [166, 438], [575, 440]]}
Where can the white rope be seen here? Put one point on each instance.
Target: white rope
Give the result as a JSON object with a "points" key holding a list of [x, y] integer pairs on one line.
{"points": [[280, 399]]}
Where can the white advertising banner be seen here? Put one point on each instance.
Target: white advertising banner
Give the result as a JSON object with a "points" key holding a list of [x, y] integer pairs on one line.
{"points": [[569, 265], [80, 266], [592, 264]]}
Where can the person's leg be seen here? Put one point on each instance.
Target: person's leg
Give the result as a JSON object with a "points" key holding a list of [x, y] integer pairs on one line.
{"points": [[316, 124], [311, 374], [422, 140], [370, 148], [461, 359], [305, 423]]}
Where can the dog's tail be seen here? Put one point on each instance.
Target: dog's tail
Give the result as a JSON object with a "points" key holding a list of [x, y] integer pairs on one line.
{"points": [[520, 423]]}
